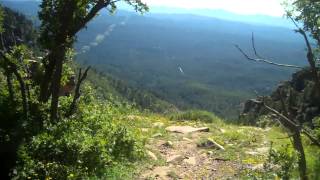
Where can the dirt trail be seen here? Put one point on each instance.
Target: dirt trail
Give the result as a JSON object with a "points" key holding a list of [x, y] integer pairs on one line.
{"points": [[185, 160]]}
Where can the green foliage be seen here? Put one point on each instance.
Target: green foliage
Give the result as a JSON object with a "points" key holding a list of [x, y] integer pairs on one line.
{"points": [[86, 145], [13, 23], [1, 20], [110, 88], [195, 115], [316, 124], [285, 159], [307, 12], [281, 163], [57, 20]]}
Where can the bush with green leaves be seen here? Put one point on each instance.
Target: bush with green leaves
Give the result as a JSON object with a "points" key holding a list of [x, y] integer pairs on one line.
{"points": [[316, 124], [87, 145], [195, 115], [281, 163]]}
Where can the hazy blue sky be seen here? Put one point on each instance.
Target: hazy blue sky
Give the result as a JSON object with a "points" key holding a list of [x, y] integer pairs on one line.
{"points": [[247, 7], [265, 7]]}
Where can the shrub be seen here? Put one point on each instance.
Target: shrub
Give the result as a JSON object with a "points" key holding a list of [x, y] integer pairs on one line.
{"points": [[195, 115], [281, 163], [84, 146]]}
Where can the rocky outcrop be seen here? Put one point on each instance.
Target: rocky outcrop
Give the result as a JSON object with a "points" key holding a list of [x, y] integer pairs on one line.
{"points": [[297, 96]]}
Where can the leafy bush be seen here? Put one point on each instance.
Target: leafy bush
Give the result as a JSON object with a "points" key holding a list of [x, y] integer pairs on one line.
{"points": [[195, 115], [316, 124], [281, 163], [84, 146]]}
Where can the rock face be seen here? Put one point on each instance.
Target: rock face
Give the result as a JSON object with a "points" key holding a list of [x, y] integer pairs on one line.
{"points": [[186, 129], [298, 96]]}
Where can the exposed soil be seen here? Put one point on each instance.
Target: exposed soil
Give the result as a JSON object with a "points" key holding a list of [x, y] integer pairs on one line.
{"points": [[185, 160]]}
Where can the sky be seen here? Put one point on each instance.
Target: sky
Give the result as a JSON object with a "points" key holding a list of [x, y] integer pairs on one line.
{"points": [[244, 7], [247, 7]]}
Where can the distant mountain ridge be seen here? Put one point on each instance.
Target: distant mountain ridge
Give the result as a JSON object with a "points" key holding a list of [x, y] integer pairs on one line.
{"points": [[29, 7], [226, 15]]}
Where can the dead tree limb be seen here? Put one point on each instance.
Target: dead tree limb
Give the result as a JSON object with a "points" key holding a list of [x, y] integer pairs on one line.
{"points": [[258, 58], [77, 93], [310, 57], [295, 132], [288, 123]]}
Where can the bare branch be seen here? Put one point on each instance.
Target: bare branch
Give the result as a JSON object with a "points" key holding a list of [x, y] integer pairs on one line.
{"points": [[93, 12], [312, 139], [254, 46], [77, 94], [266, 60], [288, 123], [310, 56]]}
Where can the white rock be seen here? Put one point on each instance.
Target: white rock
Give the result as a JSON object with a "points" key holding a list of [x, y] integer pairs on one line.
{"points": [[174, 158], [191, 161], [187, 139], [152, 155], [158, 124], [168, 144], [144, 129], [186, 129], [210, 143], [157, 135], [252, 153]]}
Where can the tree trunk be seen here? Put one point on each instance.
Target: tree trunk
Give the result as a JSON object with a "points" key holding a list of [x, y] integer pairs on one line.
{"points": [[297, 143], [45, 90], [10, 86], [77, 94], [23, 91], [56, 83]]}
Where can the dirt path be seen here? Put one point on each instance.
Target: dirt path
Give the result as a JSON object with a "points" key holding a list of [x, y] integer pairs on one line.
{"points": [[183, 159]]}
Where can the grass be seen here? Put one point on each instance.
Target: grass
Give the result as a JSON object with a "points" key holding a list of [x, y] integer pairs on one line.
{"points": [[237, 141], [194, 115]]}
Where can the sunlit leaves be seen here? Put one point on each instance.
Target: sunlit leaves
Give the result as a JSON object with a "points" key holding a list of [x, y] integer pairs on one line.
{"points": [[308, 13], [1, 20]]}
